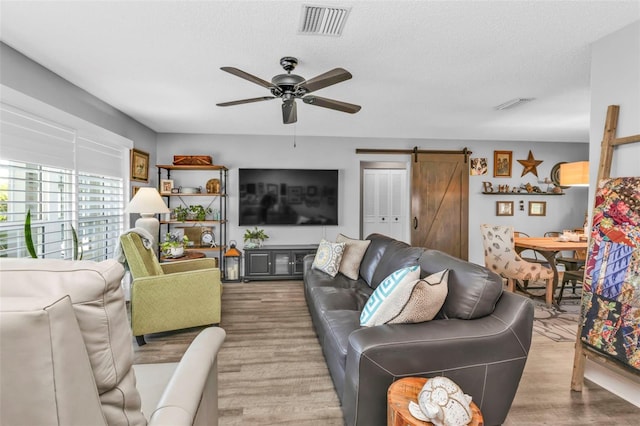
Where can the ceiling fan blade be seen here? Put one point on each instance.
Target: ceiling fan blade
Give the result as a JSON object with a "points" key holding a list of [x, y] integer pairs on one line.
{"points": [[334, 76], [289, 113], [247, 76], [331, 104], [246, 101]]}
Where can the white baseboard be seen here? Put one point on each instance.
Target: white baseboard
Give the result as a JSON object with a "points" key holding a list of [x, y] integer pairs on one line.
{"points": [[621, 385]]}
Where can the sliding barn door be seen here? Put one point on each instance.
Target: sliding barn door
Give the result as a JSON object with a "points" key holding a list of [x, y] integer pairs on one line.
{"points": [[440, 202]]}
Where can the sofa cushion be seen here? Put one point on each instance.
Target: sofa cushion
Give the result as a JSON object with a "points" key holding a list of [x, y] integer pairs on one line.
{"points": [[99, 306], [331, 298], [374, 312], [397, 256], [421, 301], [473, 289], [328, 257], [354, 251], [374, 253]]}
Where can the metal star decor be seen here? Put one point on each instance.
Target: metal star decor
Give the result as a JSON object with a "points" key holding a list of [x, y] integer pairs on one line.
{"points": [[530, 165]]}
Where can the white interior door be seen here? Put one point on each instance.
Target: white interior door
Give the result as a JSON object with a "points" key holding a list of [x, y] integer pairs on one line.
{"points": [[384, 202]]}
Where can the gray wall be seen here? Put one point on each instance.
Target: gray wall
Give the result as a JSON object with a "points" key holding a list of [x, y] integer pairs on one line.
{"points": [[615, 80], [567, 211], [23, 75]]}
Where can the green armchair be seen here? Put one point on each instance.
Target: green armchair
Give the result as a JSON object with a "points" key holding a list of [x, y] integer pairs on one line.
{"points": [[170, 296]]}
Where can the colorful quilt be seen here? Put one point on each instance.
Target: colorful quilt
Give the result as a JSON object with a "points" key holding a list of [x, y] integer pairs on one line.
{"points": [[611, 293]]}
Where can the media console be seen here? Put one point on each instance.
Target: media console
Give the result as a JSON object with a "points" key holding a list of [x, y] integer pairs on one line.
{"points": [[276, 262]]}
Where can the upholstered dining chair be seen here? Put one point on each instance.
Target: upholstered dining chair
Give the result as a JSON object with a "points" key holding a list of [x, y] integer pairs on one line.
{"points": [[500, 256], [169, 296]]}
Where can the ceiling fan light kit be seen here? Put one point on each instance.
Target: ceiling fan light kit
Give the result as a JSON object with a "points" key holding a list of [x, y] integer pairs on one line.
{"points": [[290, 87]]}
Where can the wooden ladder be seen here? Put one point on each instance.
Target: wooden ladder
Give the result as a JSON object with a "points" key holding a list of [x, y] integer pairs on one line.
{"points": [[582, 351]]}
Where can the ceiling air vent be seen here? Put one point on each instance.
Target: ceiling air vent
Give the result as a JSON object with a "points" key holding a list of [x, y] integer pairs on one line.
{"points": [[322, 20], [513, 103]]}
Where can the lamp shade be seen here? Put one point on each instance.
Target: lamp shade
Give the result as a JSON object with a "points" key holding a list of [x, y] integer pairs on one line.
{"points": [[574, 174], [147, 200]]}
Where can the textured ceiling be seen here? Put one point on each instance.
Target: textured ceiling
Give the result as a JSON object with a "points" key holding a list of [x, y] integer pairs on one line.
{"points": [[421, 69]]}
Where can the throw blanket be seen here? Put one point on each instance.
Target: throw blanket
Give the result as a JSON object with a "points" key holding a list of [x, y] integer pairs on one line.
{"points": [[611, 294], [145, 236]]}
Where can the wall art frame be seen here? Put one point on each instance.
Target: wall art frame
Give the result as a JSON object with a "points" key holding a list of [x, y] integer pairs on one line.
{"points": [[502, 163], [139, 162], [537, 208], [504, 208]]}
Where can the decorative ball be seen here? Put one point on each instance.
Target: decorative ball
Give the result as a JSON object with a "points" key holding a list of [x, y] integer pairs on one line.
{"points": [[444, 403]]}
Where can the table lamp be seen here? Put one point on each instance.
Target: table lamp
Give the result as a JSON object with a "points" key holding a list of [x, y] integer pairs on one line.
{"points": [[147, 202]]}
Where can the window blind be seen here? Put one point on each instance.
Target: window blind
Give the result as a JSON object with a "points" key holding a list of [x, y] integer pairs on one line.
{"points": [[68, 180]]}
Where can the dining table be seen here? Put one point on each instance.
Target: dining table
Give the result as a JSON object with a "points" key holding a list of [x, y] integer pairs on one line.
{"points": [[549, 247]]}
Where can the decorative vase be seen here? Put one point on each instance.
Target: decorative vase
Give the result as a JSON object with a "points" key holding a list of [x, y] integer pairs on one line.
{"points": [[176, 251], [256, 242]]}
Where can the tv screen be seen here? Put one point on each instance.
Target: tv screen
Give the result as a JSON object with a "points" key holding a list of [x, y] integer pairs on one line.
{"points": [[288, 197]]}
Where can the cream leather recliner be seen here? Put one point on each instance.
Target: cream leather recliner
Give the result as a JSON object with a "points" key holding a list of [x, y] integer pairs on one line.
{"points": [[66, 354]]}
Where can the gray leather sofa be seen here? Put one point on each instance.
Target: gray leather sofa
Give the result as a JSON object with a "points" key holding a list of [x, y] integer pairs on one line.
{"points": [[480, 338]]}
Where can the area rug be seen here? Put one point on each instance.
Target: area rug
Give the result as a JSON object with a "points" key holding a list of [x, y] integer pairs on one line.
{"points": [[558, 324]]}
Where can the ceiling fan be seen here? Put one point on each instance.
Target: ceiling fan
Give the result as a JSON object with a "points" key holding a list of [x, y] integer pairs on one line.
{"points": [[290, 87]]}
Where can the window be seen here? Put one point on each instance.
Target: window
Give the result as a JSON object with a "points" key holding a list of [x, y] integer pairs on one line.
{"points": [[100, 215], [55, 187]]}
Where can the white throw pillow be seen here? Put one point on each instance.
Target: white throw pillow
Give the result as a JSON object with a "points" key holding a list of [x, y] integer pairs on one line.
{"points": [[328, 257], [374, 310], [354, 251]]}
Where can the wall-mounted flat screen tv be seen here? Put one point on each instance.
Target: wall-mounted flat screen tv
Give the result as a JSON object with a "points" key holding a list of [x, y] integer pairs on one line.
{"points": [[288, 197]]}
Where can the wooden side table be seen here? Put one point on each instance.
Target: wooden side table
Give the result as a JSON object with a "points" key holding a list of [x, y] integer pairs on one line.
{"points": [[188, 255], [407, 389]]}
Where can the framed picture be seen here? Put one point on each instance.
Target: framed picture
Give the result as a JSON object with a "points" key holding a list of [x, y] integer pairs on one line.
{"points": [[478, 167], [139, 165], [166, 185], [502, 163], [134, 191], [537, 208], [504, 208]]}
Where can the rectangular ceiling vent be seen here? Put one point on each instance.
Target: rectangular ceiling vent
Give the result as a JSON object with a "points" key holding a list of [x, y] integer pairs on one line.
{"points": [[322, 20], [513, 103]]}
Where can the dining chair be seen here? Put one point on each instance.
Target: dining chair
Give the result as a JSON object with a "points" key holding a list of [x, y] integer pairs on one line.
{"points": [[570, 263], [500, 256], [575, 278], [529, 257]]}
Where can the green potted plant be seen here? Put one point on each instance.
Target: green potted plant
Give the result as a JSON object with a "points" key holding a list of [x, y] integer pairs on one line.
{"points": [[181, 213], [28, 237], [254, 237], [198, 212], [173, 245]]}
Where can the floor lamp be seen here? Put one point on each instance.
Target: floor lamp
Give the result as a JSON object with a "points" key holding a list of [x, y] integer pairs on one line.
{"points": [[147, 202]]}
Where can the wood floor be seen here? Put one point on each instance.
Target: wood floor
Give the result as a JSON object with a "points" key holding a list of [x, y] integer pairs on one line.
{"points": [[272, 372]]}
